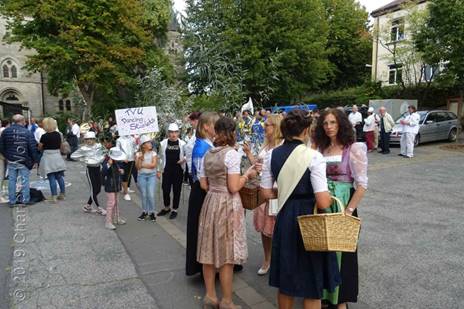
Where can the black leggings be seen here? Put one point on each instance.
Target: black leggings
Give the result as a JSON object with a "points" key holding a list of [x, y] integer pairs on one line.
{"points": [[172, 179], [94, 179]]}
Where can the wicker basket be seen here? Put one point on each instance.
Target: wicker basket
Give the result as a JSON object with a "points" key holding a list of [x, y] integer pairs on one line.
{"points": [[251, 198], [330, 232]]}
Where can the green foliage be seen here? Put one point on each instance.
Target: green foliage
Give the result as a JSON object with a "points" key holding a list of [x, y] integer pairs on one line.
{"points": [[97, 45], [349, 43], [428, 96], [441, 38]]}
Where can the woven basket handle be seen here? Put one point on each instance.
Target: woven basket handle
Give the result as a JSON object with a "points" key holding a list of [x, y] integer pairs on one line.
{"points": [[338, 201]]}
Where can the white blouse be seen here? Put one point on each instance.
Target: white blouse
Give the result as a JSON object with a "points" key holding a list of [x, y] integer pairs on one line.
{"points": [[232, 160], [317, 168]]}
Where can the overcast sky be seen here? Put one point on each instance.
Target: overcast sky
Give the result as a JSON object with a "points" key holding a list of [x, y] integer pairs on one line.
{"points": [[369, 4]]}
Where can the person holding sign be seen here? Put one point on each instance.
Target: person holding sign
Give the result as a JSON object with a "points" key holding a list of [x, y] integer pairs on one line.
{"points": [[294, 271], [172, 167]]}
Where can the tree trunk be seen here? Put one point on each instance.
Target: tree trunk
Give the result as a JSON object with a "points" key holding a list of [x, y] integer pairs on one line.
{"points": [[88, 92]]}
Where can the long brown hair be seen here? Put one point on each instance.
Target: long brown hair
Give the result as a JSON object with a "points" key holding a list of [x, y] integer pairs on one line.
{"points": [[345, 135], [225, 132]]}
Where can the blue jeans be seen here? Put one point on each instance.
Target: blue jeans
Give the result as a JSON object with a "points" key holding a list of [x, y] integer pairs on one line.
{"points": [[15, 170], [146, 184], [53, 178]]}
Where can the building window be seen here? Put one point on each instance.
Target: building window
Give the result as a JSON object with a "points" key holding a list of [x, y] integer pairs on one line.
{"points": [[10, 69], [397, 30], [68, 105], [14, 72], [6, 71], [429, 72], [61, 105], [395, 74]]}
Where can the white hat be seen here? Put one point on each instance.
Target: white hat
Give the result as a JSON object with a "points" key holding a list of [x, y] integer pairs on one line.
{"points": [[89, 135], [370, 110], [117, 154], [173, 127], [144, 139]]}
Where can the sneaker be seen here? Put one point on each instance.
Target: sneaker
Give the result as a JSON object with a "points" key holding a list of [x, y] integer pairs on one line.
{"points": [[400, 155], [173, 215], [101, 211], [110, 226], [61, 197], [142, 217], [164, 212], [120, 221], [87, 208], [152, 217], [129, 190], [53, 199], [127, 197]]}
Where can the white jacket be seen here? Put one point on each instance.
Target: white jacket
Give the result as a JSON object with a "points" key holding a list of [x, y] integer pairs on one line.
{"points": [[162, 154], [388, 122], [370, 123], [412, 125]]}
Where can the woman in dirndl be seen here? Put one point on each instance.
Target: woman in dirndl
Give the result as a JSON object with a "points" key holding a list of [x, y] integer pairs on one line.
{"points": [[347, 174], [203, 143], [221, 232], [295, 271], [263, 222]]}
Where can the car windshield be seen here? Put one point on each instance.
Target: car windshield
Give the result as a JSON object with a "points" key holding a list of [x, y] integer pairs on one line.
{"points": [[422, 115]]}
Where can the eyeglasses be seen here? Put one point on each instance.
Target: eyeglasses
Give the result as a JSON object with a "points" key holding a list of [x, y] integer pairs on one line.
{"points": [[268, 124]]}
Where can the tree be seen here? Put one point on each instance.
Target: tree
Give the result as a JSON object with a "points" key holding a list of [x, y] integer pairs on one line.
{"points": [[98, 45], [349, 43], [441, 39], [265, 49]]}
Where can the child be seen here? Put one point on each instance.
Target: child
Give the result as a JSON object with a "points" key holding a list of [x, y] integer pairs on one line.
{"points": [[146, 161], [92, 155], [112, 171]]}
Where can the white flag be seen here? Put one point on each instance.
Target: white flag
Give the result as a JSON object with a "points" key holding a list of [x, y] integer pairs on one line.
{"points": [[248, 106]]}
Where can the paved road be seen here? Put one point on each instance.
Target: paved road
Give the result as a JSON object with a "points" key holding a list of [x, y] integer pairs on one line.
{"points": [[410, 248]]}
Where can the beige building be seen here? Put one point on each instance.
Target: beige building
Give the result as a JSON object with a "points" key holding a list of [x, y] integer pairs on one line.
{"points": [[22, 90], [393, 58]]}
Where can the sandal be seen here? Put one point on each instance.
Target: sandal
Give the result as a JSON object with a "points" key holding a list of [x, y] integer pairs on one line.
{"points": [[208, 303], [230, 305]]}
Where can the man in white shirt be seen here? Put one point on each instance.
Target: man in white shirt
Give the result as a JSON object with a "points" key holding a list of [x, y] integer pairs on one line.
{"points": [[410, 128], [188, 148], [73, 133], [39, 131], [355, 118]]}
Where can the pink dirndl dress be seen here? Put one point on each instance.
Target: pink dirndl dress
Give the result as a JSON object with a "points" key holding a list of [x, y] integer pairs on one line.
{"points": [[221, 232], [263, 222]]}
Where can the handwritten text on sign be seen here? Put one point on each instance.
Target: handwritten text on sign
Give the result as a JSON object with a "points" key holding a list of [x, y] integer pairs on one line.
{"points": [[137, 120]]}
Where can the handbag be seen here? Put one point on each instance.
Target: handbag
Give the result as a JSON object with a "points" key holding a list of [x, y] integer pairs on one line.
{"points": [[65, 148]]}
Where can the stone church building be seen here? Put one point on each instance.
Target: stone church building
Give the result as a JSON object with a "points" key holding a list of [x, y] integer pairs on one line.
{"points": [[21, 90]]}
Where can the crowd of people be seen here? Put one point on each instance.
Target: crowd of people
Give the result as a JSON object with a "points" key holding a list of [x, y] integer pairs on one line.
{"points": [[298, 159]]}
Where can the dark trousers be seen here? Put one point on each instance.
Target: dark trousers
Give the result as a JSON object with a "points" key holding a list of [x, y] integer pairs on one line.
{"points": [[172, 178], [94, 178], [385, 141], [73, 143], [197, 196], [129, 171]]}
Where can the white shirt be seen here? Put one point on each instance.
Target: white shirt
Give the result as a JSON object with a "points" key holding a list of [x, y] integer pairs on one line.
{"points": [[317, 167], [38, 134], [188, 149], [355, 118], [370, 123], [413, 123], [128, 145], [232, 160], [147, 159], [76, 130]]}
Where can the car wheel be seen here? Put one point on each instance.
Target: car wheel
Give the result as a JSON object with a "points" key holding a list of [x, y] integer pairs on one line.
{"points": [[417, 140], [453, 135]]}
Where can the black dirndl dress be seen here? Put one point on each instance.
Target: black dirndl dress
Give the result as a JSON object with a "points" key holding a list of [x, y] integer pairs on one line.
{"points": [[294, 271]]}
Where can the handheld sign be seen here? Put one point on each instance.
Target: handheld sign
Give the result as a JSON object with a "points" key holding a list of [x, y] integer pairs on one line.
{"points": [[137, 120]]}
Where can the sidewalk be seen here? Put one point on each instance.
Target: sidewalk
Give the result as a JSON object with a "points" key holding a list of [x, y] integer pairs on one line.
{"points": [[64, 258]]}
